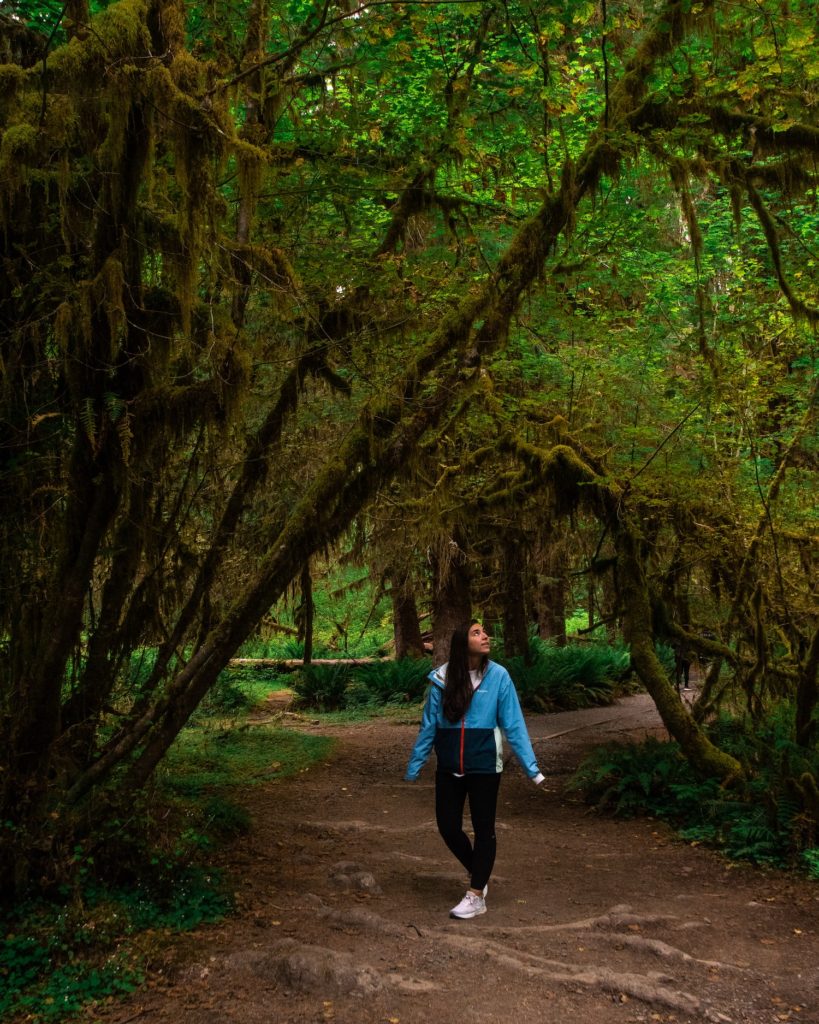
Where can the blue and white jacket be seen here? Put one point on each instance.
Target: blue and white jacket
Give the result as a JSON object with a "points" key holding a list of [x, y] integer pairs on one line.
{"points": [[474, 744]]}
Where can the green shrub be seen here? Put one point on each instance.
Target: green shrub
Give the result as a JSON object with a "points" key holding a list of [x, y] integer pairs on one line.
{"points": [[575, 676], [240, 688], [323, 687], [394, 682], [350, 687], [810, 858], [147, 873], [764, 823], [667, 658]]}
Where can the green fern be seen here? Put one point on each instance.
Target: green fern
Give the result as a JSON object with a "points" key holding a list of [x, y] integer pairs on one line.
{"points": [[768, 822], [576, 676]]}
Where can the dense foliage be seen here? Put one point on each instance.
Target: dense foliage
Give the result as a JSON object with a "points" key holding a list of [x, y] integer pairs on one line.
{"points": [[548, 678], [766, 824], [494, 293]]}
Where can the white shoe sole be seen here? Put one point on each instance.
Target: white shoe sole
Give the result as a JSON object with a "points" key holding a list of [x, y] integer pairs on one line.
{"points": [[466, 917]]}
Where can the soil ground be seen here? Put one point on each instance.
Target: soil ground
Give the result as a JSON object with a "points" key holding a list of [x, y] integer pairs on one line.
{"points": [[344, 889]]}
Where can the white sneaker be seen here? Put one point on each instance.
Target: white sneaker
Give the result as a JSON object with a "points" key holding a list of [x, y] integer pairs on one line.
{"points": [[470, 906]]}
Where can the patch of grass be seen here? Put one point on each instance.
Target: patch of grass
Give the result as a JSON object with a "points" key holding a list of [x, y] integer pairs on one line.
{"points": [[240, 688], [205, 759]]}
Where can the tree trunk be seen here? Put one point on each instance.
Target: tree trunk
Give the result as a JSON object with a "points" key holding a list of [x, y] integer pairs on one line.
{"points": [[406, 627], [551, 587], [306, 613], [513, 568], [807, 695], [706, 759], [609, 609], [451, 597]]}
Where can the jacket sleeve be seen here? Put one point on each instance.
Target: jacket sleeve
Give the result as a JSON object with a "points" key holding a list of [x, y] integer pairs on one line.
{"points": [[426, 734], [510, 719]]}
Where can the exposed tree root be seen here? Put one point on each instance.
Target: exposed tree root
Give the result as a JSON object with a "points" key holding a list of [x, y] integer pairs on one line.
{"points": [[651, 987], [661, 949], [620, 916]]}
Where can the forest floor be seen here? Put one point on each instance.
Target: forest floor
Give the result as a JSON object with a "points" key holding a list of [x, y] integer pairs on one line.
{"points": [[344, 887]]}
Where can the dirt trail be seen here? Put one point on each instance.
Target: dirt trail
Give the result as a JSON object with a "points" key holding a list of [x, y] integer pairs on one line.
{"points": [[344, 889]]}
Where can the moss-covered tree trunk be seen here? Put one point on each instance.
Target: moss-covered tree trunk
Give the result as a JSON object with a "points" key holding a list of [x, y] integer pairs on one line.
{"points": [[706, 759], [306, 613]]}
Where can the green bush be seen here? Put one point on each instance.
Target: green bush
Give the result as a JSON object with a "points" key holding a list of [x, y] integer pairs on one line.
{"points": [[323, 687], [667, 658], [811, 860], [764, 823], [350, 687], [394, 682], [576, 676]]}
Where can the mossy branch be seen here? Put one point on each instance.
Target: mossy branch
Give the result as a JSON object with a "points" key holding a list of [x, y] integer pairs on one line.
{"points": [[799, 307]]}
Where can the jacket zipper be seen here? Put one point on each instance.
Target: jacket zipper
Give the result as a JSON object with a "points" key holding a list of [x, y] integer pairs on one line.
{"points": [[463, 731]]}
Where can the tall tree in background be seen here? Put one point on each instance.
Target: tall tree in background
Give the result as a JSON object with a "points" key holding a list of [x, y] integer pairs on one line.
{"points": [[261, 259]]}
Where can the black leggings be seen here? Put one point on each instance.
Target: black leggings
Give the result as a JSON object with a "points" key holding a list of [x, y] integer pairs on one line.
{"points": [[451, 792]]}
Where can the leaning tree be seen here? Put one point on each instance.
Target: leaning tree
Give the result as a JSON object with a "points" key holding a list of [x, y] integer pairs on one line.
{"points": [[257, 256]]}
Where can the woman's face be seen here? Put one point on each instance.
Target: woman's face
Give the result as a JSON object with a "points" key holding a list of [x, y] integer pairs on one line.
{"points": [[478, 640]]}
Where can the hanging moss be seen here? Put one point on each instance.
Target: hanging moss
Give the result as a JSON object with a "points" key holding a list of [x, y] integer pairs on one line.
{"points": [[12, 77], [18, 151], [107, 293], [120, 32], [63, 324]]}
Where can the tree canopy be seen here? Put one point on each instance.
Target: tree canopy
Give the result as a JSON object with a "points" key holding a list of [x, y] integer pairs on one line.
{"points": [[460, 269]]}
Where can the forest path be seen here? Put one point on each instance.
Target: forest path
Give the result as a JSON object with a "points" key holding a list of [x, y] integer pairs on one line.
{"points": [[344, 889]]}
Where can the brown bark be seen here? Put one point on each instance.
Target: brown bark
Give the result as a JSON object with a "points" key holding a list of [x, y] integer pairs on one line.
{"points": [[807, 695], [513, 607], [551, 586], [451, 595], [306, 613], [551, 603], [406, 627]]}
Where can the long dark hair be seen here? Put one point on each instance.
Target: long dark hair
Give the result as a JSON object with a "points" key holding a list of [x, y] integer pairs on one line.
{"points": [[458, 690]]}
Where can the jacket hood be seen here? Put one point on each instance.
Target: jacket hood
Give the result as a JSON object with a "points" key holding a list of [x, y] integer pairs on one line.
{"points": [[438, 675]]}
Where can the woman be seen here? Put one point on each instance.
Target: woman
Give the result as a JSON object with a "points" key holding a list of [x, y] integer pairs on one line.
{"points": [[471, 700]]}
